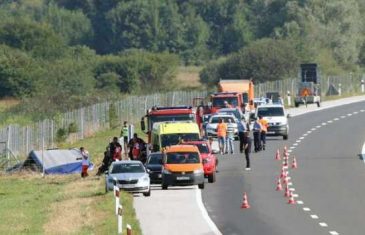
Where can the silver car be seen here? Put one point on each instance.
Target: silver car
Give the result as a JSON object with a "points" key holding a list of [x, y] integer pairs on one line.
{"points": [[211, 128], [130, 176]]}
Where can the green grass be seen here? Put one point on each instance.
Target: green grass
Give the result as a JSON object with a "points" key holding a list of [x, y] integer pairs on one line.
{"points": [[30, 204]]}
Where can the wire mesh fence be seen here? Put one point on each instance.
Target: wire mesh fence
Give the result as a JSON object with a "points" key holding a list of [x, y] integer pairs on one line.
{"points": [[78, 124]]}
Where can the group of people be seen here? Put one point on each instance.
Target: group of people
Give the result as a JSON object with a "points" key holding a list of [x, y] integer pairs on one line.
{"points": [[225, 134], [259, 133], [134, 149]]}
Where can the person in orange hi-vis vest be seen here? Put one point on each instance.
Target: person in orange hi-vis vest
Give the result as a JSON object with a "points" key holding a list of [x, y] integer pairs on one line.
{"points": [[221, 133], [264, 125]]}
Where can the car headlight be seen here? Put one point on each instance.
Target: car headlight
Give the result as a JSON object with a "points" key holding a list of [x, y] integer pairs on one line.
{"points": [[199, 171], [146, 178], [165, 171]]}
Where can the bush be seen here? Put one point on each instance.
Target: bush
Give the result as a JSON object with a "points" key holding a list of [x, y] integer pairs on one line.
{"points": [[72, 128], [61, 135]]}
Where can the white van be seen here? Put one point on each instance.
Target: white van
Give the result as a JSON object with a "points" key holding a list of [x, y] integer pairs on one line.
{"points": [[277, 117]]}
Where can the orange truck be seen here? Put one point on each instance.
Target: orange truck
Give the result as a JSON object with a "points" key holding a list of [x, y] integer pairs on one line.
{"points": [[235, 92]]}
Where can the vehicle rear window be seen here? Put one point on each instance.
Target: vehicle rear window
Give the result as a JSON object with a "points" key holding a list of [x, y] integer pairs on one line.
{"points": [[182, 158], [270, 111], [127, 168]]}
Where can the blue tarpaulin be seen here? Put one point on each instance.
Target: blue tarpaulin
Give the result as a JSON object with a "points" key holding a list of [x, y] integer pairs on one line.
{"points": [[57, 161]]}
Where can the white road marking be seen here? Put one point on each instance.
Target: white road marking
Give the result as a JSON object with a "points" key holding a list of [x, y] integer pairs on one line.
{"points": [[363, 153], [302, 138], [322, 224], [324, 123], [298, 141], [334, 233], [289, 151], [349, 114], [308, 132], [290, 183], [288, 178], [330, 121], [292, 147], [314, 216], [343, 117], [318, 126], [292, 189], [306, 209], [336, 119], [305, 134], [202, 208], [300, 202], [355, 112], [313, 129], [295, 144], [362, 110], [295, 195]]}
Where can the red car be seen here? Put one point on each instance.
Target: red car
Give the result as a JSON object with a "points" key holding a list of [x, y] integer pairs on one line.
{"points": [[210, 161]]}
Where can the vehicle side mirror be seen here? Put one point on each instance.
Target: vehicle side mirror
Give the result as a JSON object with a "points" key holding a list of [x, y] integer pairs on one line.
{"points": [[143, 126], [148, 171], [288, 115]]}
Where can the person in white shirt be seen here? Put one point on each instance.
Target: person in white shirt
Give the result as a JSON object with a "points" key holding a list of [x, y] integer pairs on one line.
{"points": [[85, 162]]}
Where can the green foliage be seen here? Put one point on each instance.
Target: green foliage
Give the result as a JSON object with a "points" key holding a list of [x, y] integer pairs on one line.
{"points": [[61, 135], [72, 127], [113, 116]]}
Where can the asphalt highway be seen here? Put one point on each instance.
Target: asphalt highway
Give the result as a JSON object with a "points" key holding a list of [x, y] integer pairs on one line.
{"points": [[329, 182]]}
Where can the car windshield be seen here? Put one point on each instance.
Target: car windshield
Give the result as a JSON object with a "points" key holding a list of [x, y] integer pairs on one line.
{"points": [[155, 158], [166, 118], [203, 148], [270, 111], [236, 113], [173, 139], [182, 158], [225, 119], [127, 168], [219, 101]]}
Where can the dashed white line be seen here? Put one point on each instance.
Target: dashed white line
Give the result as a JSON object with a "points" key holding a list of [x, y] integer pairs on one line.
{"points": [[295, 195], [343, 117], [329, 121], [300, 202], [289, 151], [313, 129], [318, 126], [334, 233], [290, 183], [336, 119], [306, 209], [362, 110], [349, 114], [355, 112], [292, 147], [324, 123], [302, 138], [295, 144], [298, 141], [308, 132], [314, 217], [322, 224], [292, 189], [305, 134]]}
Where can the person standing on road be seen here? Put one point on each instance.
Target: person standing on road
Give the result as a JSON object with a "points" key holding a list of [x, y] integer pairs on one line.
{"points": [[256, 135], [242, 128], [264, 125], [221, 133], [85, 162], [230, 137], [247, 148]]}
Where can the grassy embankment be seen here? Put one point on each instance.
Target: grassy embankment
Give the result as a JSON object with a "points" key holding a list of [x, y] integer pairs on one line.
{"points": [[30, 204]]}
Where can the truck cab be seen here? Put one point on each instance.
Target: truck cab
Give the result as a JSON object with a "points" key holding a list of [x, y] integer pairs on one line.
{"points": [[159, 114], [171, 133], [219, 100]]}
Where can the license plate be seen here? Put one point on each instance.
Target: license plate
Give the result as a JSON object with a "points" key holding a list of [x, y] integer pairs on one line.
{"points": [[270, 132], [127, 185], [182, 178], [159, 176]]}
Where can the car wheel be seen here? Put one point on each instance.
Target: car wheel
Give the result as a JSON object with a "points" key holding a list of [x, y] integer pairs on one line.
{"points": [[201, 186], [164, 186], [285, 137], [147, 194], [211, 178]]}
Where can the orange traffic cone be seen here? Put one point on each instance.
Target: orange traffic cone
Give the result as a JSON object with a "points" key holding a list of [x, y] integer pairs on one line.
{"points": [[294, 164], [279, 187], [277, 156], [291, 199], [287, 192], [285, 162], [245, 204], [283, 173], [285, 180], [285, 149]]}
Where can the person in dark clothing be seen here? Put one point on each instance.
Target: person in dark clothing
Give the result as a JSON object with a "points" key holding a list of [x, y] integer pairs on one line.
{"points": [[115, 149], [257, 135], [132, 143], [107, 160], [247, 148]]}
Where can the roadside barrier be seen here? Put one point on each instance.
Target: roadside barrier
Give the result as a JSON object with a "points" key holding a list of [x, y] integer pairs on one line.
{"points": [[129, 229]]}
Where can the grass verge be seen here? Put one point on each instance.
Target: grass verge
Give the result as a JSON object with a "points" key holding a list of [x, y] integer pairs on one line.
{"points": [[66, 204]]}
